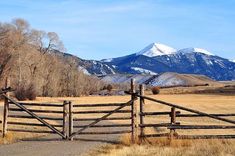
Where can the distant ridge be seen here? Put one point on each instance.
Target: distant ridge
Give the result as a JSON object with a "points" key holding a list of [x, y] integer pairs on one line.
{"points": [[158, 58], [163, 80]]}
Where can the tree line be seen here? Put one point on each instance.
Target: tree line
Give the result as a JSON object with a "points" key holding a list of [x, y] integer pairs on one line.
{"points": [[28, 59]]}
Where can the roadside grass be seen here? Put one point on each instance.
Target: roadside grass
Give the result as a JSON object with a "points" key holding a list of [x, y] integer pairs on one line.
{"points": [[14, 137], [168, 147]]}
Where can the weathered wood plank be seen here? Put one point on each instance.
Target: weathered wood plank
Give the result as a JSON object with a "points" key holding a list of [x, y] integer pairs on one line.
{"points": [[134, 120], [100, 111], [31, 124], [65, 118], [30, 117], [201, 115], [35, 110], [40, 104], [200, 127], [70, 120], [142, 104], [5, 109], [173, 121], [110, 118], [154, 113], [98, 105], [29, 131], [156, 125], [109, 132], [101, 126]]}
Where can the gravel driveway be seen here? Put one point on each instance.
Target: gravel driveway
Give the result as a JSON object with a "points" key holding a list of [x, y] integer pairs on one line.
{"points": [[54, 146]]}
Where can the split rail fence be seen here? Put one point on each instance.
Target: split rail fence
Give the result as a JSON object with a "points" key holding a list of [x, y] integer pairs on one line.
{"points": [[65, 119], [175, 116]]}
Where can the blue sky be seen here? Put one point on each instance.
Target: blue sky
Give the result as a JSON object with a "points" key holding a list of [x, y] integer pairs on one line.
{"points": [[96, 29]]}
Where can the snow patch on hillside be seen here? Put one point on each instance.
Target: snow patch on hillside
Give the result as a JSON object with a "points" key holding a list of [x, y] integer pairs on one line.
{"points": [[167, 79], [232, 60], [107, 60], [111, 70], [83, 70], [143, 71], [124, 78]]}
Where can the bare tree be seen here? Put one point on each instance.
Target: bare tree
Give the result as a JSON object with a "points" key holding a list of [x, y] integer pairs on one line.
{"points": [[29, 57]]}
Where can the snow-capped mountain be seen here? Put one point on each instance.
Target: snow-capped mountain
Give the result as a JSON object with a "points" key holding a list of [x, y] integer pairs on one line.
{"points": [[195, 50], [159, 58], [156, 49]]}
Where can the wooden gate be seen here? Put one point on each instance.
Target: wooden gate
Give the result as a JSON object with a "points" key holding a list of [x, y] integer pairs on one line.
{"points": [[14, 110], [124, 112], [69, 120]]}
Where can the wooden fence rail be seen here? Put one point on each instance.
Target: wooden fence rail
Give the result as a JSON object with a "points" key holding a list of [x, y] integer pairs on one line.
{"points": [[174, 125], [70, 120], [94, 121]]}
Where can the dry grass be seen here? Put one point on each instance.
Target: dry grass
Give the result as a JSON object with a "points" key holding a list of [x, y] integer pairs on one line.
{"points": [[216, 90], [206, 103], [168, 147], [14, 137], [195, 148]]}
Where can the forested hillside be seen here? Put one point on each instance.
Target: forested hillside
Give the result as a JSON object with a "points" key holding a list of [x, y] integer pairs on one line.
{"points": [[28, 60]]}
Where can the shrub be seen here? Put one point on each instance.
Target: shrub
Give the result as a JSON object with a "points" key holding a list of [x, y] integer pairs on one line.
{"points": [[104, 87], [109, 87], [31, 92], [20, 93], [156, 90]]}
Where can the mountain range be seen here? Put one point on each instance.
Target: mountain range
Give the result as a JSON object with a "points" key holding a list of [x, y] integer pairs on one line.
{"points": [[158, 58]]}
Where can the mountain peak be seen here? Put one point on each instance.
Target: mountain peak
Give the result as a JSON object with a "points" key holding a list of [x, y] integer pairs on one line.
{"points": [[195, 50], [156, 49]]}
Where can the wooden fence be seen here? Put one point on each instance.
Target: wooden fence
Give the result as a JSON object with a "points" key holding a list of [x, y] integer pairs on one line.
{"points": [[62, 119], [65, 119], [174, 115]]}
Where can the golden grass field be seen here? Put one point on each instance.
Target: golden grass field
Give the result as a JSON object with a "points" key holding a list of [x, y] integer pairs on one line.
{"points": [[206, 103]]}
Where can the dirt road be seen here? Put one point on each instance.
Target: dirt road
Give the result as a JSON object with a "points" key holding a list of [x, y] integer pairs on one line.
{"points": [[54, 146]]}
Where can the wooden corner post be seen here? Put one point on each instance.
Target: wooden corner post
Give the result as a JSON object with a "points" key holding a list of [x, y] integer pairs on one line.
{"points": [[134, 120], [6, 109], [70, 119], [142, 88], [65, 118], [173, 121]]}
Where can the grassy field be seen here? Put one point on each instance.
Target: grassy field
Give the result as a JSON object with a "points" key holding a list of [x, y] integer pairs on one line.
{"points": [[208, 103], [171, 148]]}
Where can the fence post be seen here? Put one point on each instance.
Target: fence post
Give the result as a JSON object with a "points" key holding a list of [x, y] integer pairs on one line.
{"points": [[6, 109], [65, 118], [70, 120], [141, 112], [173, 121], [134, 121]]}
